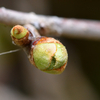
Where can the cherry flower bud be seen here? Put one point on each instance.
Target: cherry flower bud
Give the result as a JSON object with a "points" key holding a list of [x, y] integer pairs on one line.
{"points": [[49, 55]]}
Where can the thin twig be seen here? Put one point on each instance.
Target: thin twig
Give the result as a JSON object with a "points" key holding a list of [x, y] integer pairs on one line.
{"points": [[52, 25], [11, 51]]}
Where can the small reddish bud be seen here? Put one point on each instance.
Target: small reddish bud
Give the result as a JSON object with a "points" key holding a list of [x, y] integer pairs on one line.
{"points": [[20, 35]]}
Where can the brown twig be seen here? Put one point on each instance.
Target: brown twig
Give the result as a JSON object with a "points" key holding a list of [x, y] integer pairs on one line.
{"points": [[52, 25]]}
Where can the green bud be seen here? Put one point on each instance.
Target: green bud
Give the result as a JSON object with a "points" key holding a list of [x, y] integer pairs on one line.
{"points": [[20, 35], [18, 32], [50, 56], [42, 54]]}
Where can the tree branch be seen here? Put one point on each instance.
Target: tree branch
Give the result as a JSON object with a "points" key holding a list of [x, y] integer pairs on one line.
{"points": [[52, 25]]}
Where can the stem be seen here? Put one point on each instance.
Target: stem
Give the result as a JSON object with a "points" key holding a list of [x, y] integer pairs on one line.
{"points": [[32, 37], [33, 30], [52, 25]]}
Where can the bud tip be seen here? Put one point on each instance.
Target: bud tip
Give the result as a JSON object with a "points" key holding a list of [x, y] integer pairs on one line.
{"points": [[18, 32]]}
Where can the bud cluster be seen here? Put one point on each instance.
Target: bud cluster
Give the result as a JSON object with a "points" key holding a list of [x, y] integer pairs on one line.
{"points": [[47, 54]]}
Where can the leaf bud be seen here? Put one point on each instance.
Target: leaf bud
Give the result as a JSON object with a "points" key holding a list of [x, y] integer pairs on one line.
{"points": [[49, 55], [20, 35]]}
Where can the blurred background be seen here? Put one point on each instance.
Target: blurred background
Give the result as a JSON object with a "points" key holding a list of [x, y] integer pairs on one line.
{"points": [[19, 80]]}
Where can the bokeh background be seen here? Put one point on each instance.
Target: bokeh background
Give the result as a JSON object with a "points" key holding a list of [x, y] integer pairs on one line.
{"points": [[19, 80]]}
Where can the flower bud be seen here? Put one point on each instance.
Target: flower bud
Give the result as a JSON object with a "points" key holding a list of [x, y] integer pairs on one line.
{"points": [[20, 35], [49, 55]]}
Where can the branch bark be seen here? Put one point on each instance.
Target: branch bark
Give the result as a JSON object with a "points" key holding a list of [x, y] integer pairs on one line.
{"points": [[53, 25]]}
